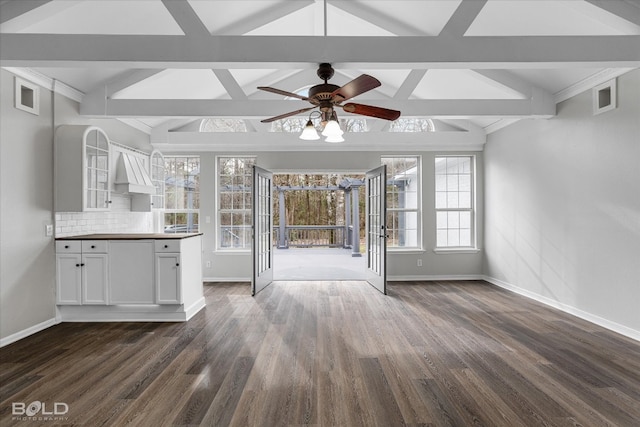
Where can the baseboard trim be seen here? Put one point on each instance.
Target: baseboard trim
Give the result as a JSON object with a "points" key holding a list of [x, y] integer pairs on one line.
{"points": [[128, 313], [26, 332], [194, 308], [226, 279], [432, 278], [612, 326]]}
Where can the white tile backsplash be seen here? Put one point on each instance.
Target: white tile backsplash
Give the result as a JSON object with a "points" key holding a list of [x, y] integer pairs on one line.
{"points": [[119, 219]]}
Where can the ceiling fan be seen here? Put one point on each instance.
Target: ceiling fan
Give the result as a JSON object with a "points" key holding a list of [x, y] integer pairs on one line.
{"points": [[326, 96]]}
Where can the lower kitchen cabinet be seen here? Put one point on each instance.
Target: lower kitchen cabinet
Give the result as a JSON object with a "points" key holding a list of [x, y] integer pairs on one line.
{"points": [[168, 279], [131, 272], [82, 272], [131, 278]]}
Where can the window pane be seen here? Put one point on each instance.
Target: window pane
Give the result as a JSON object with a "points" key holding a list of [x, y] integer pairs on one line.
{"points": [[454, 187], [235, 175], [403, 189]]}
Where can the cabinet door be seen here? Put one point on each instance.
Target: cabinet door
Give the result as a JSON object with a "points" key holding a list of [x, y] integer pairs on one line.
{"points": [[68, 279], [95, 276], [168, 279], [96, 152], [131, 272]]}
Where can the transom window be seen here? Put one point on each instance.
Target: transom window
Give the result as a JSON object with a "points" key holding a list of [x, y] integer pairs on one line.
{"points": [[454, 201], [403, 201], [235, 176]]}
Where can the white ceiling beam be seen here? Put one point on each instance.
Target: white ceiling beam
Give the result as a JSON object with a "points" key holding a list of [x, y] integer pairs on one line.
{"points": [[463, 17], [627, 10], [180, 142], [129, 79], [263, 17], [536, 107], [98, 96], [376, 18], [186, 17], [166, 51], [230, 84], [502, 78], [234, 90], [14, 8], [409, 84]]}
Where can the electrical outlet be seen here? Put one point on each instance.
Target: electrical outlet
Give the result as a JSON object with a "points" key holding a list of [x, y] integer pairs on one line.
{"points": [[419, 263], [48, 230], [208, 264]]}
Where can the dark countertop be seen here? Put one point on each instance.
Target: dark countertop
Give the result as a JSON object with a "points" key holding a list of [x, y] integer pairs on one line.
{"points": [[131, 236]]}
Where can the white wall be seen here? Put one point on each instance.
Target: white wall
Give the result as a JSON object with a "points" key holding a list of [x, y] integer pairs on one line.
{"points": [[234, 266], [562, 208], [27, 259]]}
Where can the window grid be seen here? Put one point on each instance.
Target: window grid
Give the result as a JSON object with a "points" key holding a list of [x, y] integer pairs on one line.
{"points": [[403, 202], [454, 201], [182, 194], [235, 175]]}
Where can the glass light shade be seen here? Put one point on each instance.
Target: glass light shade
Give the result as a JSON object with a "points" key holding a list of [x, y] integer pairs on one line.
{"points": [[309, 132], [334, 139], [332, 129]]}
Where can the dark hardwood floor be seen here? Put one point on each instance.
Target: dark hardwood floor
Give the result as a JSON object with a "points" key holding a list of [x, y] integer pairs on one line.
{"points": [[333, 354]]}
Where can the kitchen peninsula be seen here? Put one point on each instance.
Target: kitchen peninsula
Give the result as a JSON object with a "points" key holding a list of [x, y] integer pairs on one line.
{"points": [[129, 277]]}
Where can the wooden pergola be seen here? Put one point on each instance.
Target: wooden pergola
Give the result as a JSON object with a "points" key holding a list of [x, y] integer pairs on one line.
{"points": [[351, 188]]}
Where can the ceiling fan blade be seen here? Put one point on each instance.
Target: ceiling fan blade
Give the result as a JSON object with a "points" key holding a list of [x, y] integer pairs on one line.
{"points": [[368, 110], [283, 92], [355, 87], [285, 115]]}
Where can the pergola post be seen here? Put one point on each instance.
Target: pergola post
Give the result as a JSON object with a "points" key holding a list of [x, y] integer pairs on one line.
{"points": [[282, 226], [347, 218], [355, 250]]}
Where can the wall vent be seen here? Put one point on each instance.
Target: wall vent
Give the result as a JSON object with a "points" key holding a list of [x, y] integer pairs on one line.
{"points": [[604, 97], [27, 96]]}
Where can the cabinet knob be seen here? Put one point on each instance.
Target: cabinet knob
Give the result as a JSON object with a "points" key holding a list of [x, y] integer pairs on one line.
{"points": [[66, 246], [93, 246], [77, 265], [166, 246], [177, 264], [82, 265]]}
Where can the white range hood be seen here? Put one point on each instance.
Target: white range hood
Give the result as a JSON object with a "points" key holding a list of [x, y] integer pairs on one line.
{"points": [[132, 176]]}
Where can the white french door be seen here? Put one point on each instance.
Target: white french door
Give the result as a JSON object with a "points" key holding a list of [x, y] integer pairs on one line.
{"points": [[262, 248], [376, 227]]}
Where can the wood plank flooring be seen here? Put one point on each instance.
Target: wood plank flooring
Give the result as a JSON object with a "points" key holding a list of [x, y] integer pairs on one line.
{"points": [[333, 354]]}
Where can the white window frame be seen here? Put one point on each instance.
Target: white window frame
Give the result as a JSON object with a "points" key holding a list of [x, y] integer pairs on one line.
{"points": [[472, 247], [418, 209], [218, 232], [168, 210]]}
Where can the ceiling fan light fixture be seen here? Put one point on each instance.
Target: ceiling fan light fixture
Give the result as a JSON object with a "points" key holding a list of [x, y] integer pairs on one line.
{"points": [[309, 133], [332, 128], [334, 139]]}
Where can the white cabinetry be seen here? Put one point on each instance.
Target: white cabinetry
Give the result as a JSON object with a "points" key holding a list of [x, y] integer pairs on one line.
{"points": [[131, 272], [81, 168], [150, 278], [82, 272], [168, 272]]}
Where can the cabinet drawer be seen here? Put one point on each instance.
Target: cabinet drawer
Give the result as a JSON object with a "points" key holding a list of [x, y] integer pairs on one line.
{"points": [[68, 246], [167, 245], [96, 246]]}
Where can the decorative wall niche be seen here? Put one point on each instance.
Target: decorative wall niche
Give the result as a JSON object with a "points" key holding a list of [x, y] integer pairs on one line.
{"points": [[604, 97], [27, 96]]}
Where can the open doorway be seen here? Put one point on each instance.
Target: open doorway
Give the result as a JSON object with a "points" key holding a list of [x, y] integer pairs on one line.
{"points": [[319, 226]]}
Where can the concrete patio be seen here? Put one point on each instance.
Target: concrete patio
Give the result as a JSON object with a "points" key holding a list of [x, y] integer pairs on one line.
{"points": [[317, 264]]}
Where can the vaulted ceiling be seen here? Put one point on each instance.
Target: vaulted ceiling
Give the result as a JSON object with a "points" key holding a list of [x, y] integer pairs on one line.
{"points": [[470, 65]]}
